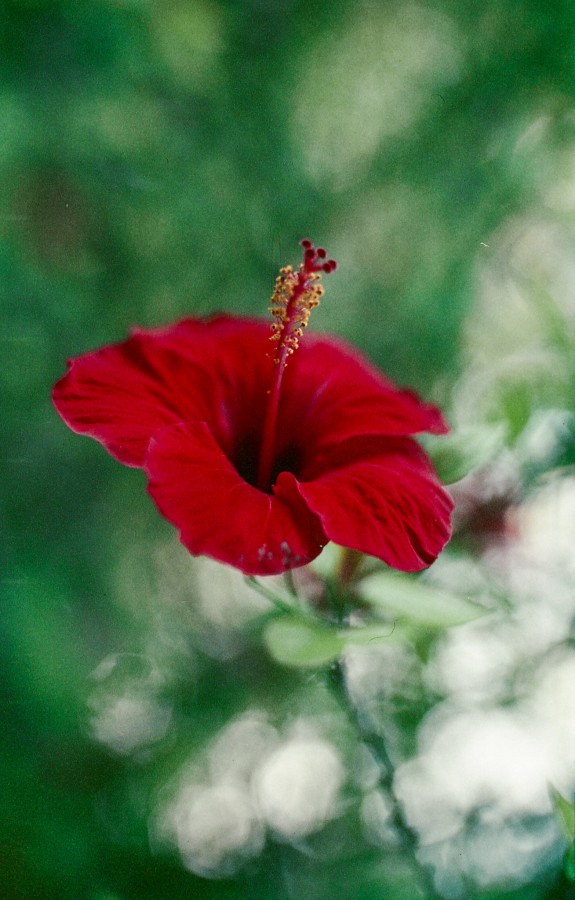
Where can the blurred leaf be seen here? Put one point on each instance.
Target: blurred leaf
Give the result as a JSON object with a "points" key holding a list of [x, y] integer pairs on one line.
{"points": [[326, 564], [461, 452], [565, 810], [414, 600], [570, 863], [516, 401], [293, 642]]}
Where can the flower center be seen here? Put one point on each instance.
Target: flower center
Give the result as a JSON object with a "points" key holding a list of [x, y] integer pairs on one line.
{"points": [[294, 297]]}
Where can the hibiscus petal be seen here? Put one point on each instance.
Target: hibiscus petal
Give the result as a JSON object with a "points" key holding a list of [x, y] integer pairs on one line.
{"points": [[219, 514], [331, 393], [388, 504], [193, 370]]}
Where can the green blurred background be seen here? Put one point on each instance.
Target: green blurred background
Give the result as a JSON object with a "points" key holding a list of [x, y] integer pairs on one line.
{"points": [[161, 159]]}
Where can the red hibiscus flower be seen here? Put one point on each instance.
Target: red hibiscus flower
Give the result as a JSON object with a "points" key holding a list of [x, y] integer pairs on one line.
{"points": [[260, 463]]}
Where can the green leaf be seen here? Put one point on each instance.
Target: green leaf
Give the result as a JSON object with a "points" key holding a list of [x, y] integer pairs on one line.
{"points": [[565, 811], [412, 599], [294, 642], [461, 452]]}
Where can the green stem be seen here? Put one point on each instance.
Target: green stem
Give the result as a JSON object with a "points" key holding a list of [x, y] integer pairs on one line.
{"points": [[376, 743], [349, 563], [269, 595], [290, 583]]}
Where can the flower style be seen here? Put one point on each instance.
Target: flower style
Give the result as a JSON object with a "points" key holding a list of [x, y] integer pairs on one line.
{"points": [[260, 459]]}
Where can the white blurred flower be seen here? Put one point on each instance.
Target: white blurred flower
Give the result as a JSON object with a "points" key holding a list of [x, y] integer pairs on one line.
{"points": [[126, 713], [130, 722], [214, 827], [298, 785], [240, 748], [546, 525], [491, 759]]}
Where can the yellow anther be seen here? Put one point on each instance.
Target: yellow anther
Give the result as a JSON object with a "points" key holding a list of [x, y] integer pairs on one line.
{"points": [[295, 295]]}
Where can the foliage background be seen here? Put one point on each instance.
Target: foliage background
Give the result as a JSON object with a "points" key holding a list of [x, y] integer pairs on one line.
{"points": [[163, 159]]}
